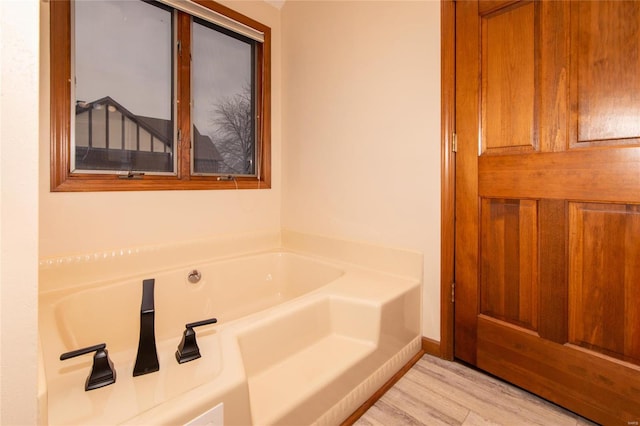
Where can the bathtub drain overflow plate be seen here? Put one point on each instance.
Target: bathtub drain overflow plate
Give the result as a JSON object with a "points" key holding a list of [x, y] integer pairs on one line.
{"points": [[194, 276]]}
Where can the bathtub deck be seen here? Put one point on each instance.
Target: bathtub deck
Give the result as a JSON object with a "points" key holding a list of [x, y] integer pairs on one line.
{"points": [[297, 379]]}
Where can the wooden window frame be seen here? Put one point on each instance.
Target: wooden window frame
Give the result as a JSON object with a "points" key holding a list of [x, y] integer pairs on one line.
{"points": [[63, 180]]}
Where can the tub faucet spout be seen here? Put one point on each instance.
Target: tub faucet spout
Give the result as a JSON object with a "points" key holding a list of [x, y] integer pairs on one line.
{"points": [[147, 358]]}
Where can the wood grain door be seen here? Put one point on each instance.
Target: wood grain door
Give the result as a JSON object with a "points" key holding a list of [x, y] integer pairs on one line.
{"points": [[547, 258]]}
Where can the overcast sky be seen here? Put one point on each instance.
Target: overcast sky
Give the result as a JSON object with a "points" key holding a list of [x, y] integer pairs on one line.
{"points": [[123, 50]]}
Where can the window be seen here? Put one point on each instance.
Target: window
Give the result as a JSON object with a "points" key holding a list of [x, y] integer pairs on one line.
{"points": [[166, 95]]}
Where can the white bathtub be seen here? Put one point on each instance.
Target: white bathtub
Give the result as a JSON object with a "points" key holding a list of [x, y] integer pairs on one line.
{"points": [[298, 340]]}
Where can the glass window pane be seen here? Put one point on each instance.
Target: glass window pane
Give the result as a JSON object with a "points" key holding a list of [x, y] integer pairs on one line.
{"points": [[98, 127], [123, 86], [130, 135], [145, 141], [223, 101], [115, 128], [82, 129]]}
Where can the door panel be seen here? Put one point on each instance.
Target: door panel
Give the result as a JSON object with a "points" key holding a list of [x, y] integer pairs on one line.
{"points": [[604, 279], [606, 40], [509, 261], [508, 73], [547, 258]]}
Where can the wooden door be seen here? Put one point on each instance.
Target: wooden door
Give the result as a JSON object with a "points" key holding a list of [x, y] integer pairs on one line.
{"points": [[547, 258]]}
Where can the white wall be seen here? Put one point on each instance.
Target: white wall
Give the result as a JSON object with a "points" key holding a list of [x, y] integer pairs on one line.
{"points": [[361, 127], [72, 223], [18, 211]]}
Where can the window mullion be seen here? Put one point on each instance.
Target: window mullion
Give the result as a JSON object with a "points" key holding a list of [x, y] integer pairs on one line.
{"points": [[183, 95]]}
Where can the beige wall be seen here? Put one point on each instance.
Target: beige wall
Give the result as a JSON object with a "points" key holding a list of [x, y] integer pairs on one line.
{"points": [[358, 148], [361, 127], [73, 223], [18, 211]]}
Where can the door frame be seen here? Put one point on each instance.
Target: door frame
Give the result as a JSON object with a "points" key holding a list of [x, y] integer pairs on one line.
{"points": [[448, 176]]}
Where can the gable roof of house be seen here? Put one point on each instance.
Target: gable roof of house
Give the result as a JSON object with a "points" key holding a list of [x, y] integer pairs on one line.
{"points": [[147, 124], [204, 147], [160, 128]]}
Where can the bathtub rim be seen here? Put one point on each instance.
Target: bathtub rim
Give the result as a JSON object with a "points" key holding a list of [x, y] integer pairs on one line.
{"points": [[72, 271], [74, 286]]}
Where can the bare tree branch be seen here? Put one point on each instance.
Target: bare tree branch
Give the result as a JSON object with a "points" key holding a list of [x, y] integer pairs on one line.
{"points": [[234, 136]]}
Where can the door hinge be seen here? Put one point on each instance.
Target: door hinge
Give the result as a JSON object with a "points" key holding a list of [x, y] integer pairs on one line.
{"points": [[179, 46], [454, 143], [453, 292]]}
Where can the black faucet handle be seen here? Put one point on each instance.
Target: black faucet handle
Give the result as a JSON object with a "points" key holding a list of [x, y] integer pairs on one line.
{"points": [[188, 348], [201, 323], [102, 371]]}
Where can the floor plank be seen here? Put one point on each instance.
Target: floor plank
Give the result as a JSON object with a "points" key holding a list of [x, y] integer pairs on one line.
{"points": [[439, 392]]}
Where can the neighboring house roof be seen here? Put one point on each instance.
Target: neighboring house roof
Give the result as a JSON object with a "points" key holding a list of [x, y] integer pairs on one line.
{"points": [[146, 123], [158, 127], [204, 147]]}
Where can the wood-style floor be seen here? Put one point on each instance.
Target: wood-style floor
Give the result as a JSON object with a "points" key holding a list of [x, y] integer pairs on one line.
{"points": [[438, 392]]}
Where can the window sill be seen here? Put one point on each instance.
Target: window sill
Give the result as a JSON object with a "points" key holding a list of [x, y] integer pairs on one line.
{"points": [[89, 183]]}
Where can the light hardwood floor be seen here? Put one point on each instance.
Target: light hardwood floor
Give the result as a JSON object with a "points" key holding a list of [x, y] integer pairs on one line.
{"points": [[438, 392]]}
